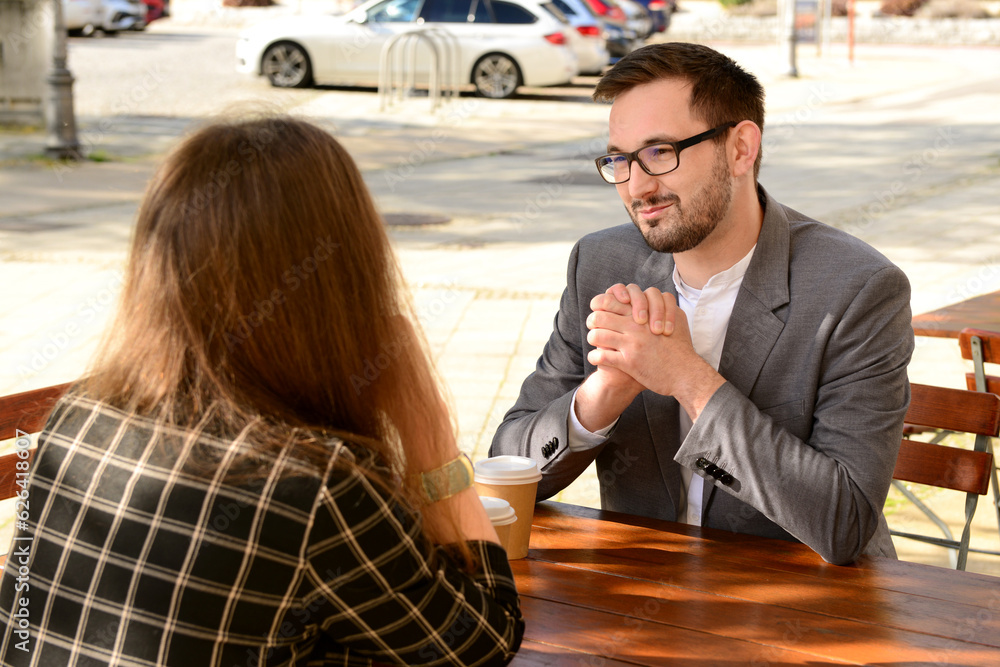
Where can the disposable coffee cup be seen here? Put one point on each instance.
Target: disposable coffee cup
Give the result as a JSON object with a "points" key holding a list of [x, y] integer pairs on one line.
{"points": [[501, 515], [514, 479]]}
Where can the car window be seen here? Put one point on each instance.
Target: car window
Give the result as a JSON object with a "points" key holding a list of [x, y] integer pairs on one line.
{"points": [[446, 11], [555, 11], [482, 12], [564, 7], [507, 12], [394, 11]]}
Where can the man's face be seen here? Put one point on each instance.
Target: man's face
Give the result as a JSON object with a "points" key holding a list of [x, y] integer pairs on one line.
{"points": [[674, 212]]}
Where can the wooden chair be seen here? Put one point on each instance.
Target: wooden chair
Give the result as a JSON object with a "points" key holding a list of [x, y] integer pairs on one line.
{"points": [[959, 411], [982, 347], [25, 412]]}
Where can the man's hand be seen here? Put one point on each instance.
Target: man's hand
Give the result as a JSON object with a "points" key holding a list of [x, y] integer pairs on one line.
{"points": [[606, 392], [644, 305], [667, 365]]}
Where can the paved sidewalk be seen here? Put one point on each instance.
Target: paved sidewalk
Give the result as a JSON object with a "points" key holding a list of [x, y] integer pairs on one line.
{"points": [[902, 149]]}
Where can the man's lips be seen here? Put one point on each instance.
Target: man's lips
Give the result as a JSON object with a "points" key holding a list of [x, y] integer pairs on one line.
{"points": [[650, 212]]}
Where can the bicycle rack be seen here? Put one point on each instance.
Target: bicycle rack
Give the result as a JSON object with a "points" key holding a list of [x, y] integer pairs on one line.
{"points": [[397, 72]]}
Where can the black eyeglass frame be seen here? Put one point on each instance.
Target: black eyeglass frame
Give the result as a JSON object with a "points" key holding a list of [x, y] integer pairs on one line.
{"points": [[678, 146]]}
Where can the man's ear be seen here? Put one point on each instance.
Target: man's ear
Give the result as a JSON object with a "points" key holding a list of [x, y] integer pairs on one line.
{"points": [[745, 146]]}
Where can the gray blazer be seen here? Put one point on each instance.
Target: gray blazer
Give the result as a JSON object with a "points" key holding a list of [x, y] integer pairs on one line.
{"points": [[806, 430]]}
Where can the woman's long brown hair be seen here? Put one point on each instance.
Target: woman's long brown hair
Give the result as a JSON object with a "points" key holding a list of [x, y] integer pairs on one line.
{"points": [[262, 298]]}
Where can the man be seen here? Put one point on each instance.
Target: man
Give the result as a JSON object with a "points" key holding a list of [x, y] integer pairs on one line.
{"points": [[726, 360]]}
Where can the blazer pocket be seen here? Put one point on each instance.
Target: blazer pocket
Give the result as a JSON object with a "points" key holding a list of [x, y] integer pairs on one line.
{"points": [[785, 411]]}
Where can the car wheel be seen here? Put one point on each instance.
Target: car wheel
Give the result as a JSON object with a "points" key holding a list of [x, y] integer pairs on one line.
{"points": [[286, 65], [496, 75]]}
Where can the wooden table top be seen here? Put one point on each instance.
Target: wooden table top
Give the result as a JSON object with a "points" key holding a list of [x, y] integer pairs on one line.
{"points": [[602, 588], [980, 312]]}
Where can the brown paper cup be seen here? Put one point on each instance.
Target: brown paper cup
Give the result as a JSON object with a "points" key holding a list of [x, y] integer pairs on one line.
{"points": [[514, 479], [501, 515]]}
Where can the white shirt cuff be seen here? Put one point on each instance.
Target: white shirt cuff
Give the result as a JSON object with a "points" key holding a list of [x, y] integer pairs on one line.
{"points": [[580, 439]]}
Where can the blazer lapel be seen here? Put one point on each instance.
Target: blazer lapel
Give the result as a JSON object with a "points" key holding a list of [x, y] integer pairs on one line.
{"points": [[753, 326], [657, 271]]}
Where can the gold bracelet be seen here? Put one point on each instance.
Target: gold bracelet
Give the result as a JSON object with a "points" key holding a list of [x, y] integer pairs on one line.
{"points": [[444, 482]]}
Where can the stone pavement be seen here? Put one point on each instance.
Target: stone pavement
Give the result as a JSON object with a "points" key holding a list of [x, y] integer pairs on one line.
{"points": [[901, 148]]}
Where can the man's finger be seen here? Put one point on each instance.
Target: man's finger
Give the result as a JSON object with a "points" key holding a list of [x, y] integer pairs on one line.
{"points": [[657, 309], [604, 339], [640, 305], [604, 357], [608, 302], [619, 291], [601, 319]]}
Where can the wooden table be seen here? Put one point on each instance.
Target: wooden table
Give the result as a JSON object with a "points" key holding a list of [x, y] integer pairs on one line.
{"points": [[980, 312], [601, 588]]}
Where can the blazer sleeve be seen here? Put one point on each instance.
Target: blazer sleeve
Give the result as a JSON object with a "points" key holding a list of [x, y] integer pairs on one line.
{"points": [[536, 426], [827, 490], [380, 591]]}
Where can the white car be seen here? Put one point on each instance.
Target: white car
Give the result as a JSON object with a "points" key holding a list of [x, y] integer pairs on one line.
{"points": [[83, 16], [501, 44], [124, 15], [109, 16], [592, 50]]}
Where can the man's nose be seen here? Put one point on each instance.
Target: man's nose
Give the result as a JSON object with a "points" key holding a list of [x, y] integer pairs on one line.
{"points": [[640, 184]]}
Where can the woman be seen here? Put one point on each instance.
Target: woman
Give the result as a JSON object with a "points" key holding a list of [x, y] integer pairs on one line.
{"points": [[259, 468]]}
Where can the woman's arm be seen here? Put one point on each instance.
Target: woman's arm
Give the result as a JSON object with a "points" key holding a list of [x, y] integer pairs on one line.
{"points": [[388, 594]]}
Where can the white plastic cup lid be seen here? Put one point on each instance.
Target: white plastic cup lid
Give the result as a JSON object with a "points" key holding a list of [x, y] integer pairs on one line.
{"points": [[498, 510], [507, 470]]}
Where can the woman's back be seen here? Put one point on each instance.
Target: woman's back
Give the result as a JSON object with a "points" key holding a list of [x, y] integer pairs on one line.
{"points": [[143, 560]]}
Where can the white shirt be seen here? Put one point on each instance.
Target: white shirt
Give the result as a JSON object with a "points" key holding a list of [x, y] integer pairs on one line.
{"points": [[708, 311]]}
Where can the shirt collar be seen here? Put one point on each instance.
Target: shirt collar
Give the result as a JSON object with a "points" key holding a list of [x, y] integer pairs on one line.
{"points": [[721, 279]]}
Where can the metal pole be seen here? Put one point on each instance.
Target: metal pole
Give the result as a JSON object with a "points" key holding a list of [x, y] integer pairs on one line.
{"points": [[60, 120], [827, 24], [850, 31], [789, 37]]}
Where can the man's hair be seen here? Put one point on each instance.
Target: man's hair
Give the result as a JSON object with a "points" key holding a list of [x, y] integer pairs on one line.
{"points": [[721, 90]]}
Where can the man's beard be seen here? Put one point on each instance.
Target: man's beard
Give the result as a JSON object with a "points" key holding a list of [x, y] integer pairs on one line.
{"points": [[679, 230]]}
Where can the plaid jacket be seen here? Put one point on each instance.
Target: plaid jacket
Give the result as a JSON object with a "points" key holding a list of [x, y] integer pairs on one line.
{"points": [[133, 560]]}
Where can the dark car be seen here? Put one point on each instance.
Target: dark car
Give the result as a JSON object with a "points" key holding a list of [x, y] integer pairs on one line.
{"points": [[660, 11], [620, 40]]}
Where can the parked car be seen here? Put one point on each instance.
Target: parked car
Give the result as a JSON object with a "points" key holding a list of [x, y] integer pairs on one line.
{"points": [[660, 11], [84, 17], [501, 44], [627, 14], [155, 9], [620, 40], [594, 56], [636, 17]]}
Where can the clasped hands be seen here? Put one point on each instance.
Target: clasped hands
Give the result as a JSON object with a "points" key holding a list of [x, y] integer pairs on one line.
{"points": [[641, 341]]}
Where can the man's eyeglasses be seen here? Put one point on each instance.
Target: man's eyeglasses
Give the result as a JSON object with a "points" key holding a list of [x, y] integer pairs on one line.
{"points": [[655, 160]]}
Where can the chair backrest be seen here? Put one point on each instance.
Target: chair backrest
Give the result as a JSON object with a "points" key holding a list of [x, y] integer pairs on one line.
{"points": [[989, 352], [952, 410], [25, 413]]}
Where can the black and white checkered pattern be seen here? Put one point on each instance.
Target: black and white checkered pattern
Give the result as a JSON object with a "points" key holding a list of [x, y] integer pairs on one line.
{"points": [[137, 560]]}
